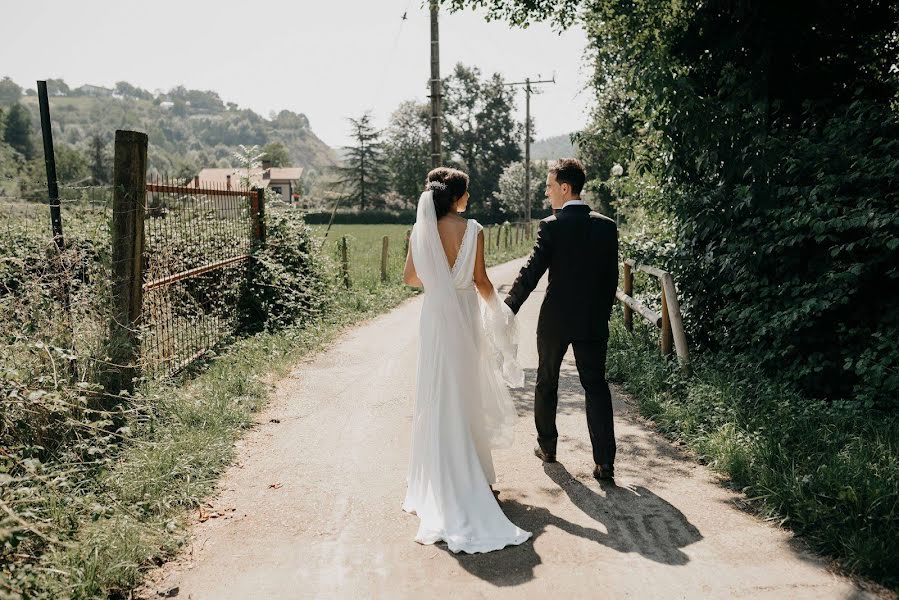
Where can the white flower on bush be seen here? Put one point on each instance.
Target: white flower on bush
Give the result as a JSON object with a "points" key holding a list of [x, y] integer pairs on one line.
{"points": [[617, 170]]}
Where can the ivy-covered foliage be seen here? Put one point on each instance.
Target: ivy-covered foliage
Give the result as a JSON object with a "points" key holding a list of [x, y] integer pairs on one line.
{"points": [[767, 133]]}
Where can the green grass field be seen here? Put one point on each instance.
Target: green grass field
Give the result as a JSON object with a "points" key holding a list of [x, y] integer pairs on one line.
{"points": [[364, 249]]}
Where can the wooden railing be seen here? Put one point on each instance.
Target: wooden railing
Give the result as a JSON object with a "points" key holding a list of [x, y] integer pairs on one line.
{"points": [[669, 321]]}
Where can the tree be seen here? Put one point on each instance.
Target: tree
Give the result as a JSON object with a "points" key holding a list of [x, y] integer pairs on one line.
{"points": [[205, 100], [130, 91], [482, 137], [179, 107], [99, 165], [71, 165], [57, 87], [10, 92], [408, 148], [766, 132], [510, 197], [248, 158], [18, 130], [290, 120], [277, 153], [364, 178]]}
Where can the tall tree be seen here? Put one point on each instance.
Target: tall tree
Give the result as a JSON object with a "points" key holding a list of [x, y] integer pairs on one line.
{"points": [[130, 91], [277, 153], [364, 177], [71, 165], [99, 163], [57, 87], [510, 198], [18, 130], [408, 148], [10, 92], [482, 136]]}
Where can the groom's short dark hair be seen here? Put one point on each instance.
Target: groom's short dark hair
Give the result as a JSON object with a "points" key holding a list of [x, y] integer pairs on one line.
{"points": [[570, 171]]}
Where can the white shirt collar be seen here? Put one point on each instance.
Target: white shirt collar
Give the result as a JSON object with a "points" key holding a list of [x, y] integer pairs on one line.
{"points": [[574, 203]]}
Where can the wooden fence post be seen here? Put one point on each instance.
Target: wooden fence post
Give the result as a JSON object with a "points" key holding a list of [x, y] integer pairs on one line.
{"points": [[384, 244], [628, 285], [344, 263], [675, 319], [129, 198], [258, 214], [665, 338], [499, 234]]}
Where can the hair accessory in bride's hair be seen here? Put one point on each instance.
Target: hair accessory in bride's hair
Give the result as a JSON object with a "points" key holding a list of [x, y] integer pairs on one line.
{"points": [[436, 186]]}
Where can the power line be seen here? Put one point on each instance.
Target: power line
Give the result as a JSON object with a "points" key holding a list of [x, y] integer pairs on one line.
{"points": [[389, 62]]}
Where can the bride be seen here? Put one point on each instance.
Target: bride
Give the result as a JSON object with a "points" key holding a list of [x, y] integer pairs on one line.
{"points": [[462, 407]]}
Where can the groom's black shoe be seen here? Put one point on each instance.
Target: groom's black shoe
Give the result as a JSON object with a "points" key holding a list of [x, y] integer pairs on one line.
{"points": [[604, 471], [547, 457]]}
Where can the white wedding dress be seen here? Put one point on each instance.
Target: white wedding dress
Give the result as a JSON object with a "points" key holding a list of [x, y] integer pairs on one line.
{"points": [[462, 407]]}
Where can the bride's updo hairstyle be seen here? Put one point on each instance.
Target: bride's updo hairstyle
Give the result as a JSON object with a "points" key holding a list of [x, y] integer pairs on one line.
{"points": [[447, 185]]}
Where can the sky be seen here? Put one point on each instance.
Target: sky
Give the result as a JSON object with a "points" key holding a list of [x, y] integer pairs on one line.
{"points": [[329, 59]]}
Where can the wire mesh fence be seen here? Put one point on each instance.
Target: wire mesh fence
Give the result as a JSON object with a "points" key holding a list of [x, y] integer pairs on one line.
{"points": [[194, 264], [198, 242]]}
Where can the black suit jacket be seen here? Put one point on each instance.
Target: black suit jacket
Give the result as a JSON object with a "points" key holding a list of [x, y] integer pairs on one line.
{"points": [[580, 249]]}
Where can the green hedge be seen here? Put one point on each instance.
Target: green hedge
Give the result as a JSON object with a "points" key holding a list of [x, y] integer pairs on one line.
{"points": [[405, 217]]}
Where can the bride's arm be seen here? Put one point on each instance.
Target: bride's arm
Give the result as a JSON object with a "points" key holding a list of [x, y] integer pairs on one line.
{"points": [[481, 280], [410, 277]]}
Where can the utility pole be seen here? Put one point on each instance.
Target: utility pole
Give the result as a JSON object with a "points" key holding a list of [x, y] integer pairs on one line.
{"points": [[527, 138], [436, 93]]}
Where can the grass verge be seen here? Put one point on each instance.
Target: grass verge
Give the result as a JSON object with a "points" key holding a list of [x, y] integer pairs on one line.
{"points": [[827, 470], [129, 511], [131, 514]]}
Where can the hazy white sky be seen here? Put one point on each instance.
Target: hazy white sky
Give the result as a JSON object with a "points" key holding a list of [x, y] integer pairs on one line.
{"points": [[328, 59]]}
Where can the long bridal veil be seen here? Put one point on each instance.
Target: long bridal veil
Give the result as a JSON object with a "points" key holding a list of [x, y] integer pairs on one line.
{"points": [[492, 342]]}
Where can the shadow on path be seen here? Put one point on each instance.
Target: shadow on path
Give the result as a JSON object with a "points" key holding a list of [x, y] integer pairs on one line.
{"points": [[634, 519]]}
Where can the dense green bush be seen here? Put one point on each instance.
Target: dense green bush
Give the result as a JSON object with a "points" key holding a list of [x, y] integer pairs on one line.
{"points": [[289, 282], [768, 134], [802, 274]]}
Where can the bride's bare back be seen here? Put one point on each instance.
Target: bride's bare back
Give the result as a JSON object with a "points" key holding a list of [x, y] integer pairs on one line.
{"points": [[452, 230]]}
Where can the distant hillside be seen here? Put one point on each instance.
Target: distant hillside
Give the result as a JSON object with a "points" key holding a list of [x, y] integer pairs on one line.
{"points": [[188, 129], [551, 148]]}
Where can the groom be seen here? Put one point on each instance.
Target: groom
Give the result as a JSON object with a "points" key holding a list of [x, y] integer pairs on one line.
{"points": [[580, 249]]}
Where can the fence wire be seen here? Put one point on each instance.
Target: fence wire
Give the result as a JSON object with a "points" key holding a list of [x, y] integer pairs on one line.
{"points": [[197, 247]]}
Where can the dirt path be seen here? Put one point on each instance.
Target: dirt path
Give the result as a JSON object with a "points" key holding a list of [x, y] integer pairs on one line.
{"points": [[332, 526]]}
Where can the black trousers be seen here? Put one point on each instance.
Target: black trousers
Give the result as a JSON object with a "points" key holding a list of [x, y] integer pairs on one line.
{"points": [[590, 357]]}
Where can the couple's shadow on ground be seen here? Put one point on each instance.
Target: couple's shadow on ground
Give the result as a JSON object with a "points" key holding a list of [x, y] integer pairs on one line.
{"points": [[634, 519]]}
